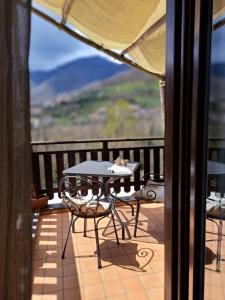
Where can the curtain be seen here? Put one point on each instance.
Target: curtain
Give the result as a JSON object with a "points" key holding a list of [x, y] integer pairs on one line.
{"points": [[15, 154]]}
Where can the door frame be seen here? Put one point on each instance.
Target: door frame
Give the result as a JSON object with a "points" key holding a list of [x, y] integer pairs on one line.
{"points": [[188, 41]]}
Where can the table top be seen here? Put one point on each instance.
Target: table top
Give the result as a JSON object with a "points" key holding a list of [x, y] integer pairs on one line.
{"points": [[98, 169], [215, 168]]}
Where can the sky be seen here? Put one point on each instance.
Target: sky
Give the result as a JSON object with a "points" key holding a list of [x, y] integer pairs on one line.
{"points": [[51, 47]]}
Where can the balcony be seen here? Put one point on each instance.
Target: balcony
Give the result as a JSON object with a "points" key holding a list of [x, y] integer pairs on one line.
{"points": [[133, 270], [49, 159]]}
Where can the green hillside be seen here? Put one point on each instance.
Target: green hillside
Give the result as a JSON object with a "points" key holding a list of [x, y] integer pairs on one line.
{"points": [[139, 91], [109, 108]]}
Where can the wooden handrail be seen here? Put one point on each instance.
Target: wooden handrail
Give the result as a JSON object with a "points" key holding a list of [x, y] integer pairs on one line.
{"points": [[36, 143]]}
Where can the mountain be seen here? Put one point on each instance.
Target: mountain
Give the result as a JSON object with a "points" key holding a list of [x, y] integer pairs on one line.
{"points": [[217, 82], [72, 76], [217, 100], [218, 70], [126, 104]]}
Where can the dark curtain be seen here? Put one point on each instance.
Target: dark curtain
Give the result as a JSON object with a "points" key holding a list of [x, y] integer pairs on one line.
{"points": [[15, 154]]}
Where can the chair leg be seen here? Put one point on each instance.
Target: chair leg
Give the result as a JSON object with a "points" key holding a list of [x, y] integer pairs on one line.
{"points": [[71, 224], [126, 203], [85, 227], [136, 218], [114, 225], [97, 244]]}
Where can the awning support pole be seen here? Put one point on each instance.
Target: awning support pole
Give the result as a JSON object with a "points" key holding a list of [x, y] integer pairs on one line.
{"points": [[88, 42]]}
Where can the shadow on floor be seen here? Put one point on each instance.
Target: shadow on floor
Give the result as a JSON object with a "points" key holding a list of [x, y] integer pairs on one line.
{"points": [[52, 275], [150, 224], [210, 256], [130, 260]]}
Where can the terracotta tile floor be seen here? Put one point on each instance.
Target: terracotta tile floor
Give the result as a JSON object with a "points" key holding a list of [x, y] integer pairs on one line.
{"points": [[214, 281], [132, 270]]}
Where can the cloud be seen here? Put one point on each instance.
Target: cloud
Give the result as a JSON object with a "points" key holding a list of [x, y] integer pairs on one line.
{"points": [[51, 47]]}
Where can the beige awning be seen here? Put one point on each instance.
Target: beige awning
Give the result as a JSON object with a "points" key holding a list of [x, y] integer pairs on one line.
{"points": [[136, 28]]}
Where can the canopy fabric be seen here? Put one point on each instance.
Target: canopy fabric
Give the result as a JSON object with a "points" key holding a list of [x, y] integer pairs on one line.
{"points": [[218, 8], [133, 27]]}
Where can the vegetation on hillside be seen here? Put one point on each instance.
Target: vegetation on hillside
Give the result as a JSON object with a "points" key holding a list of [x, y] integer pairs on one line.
{"points": [[125, 106]]}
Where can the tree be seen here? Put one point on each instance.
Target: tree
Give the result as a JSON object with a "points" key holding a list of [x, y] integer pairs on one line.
{"points": [[120, 120]]}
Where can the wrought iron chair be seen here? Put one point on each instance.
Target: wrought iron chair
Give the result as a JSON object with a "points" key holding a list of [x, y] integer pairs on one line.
{"points": [[215, 212], [152, 190], [96, 206]]}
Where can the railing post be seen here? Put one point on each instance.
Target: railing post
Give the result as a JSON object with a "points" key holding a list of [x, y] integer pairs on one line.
{"points": [[156, 157], [105, 151], [36, 173], [48, 175]]}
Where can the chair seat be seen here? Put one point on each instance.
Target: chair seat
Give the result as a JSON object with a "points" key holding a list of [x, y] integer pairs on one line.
{"points": [[86, 207], [215, 209], [146, 193]]}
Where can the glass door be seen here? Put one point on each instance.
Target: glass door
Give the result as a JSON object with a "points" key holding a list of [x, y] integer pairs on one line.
{"points": [[215, 203], [187, 173]]}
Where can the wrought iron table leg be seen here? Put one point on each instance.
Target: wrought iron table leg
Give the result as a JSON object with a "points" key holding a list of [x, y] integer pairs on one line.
{"points": [[126, 203], [121, 223], [114, 225], [136, 218], [219, 243]]}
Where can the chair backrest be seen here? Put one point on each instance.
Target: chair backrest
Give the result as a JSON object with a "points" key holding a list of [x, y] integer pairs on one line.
{"points": [[155, 178], [216, 183], [90, 205]]}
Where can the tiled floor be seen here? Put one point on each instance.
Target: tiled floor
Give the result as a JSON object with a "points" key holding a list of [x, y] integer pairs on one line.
{"points": [[132, 270], [214, 281]]}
